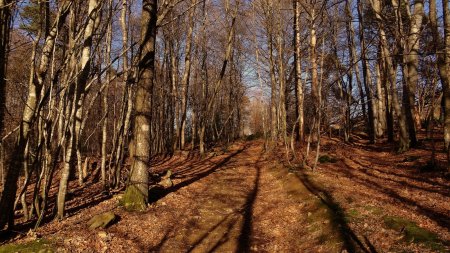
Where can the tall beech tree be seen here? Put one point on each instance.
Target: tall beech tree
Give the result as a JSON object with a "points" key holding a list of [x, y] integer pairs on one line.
{"points": [[136, 195], [5, 23], [29, 112]]}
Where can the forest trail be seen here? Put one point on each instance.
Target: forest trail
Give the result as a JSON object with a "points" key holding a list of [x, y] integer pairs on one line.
{"points": [[242, 199], [239, 201]]}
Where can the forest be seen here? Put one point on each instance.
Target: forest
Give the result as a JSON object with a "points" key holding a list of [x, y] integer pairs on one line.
{"points": [[224, 126]]}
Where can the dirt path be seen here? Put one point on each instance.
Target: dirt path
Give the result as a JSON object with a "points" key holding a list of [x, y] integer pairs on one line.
{"points": [[365, 199], [239, 201]]}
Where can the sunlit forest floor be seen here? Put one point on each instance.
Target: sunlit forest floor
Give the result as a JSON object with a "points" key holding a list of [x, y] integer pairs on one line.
{"points": [[361, 198]]}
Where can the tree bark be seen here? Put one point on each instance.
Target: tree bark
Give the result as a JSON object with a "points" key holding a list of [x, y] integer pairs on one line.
{"points": [[136, 195], [281, 77], [228, 52], [313, 61], [298, 72], [366, 78], [5, 23], [74, 143], [390, 72], [186, 75], [28, 118], [446, 97], [273, 90], [411, 60]]}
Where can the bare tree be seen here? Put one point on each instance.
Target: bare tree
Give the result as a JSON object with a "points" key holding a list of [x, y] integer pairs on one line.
{"points": [[136, 195], [298, 83], [5, 17], [186, 74], [34, 93], [446, 12]]}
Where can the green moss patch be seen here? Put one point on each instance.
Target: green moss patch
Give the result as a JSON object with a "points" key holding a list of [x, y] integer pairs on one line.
{"points": [[39, 245], [133, 199], [413, 233], [101, 220], [374, 210], [352, 214]]}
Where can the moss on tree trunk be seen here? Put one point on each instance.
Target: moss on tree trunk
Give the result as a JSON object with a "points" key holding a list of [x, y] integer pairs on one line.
{"points": [[134, 199]]}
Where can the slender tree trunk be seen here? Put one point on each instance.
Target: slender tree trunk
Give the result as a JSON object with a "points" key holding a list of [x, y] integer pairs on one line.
{"points": [[105, 96], [366, 77], [355, 67], [380, 108], [355, 62], [204, 69], [228, 53], [281, 77], [313, 62], [391, 76], [387, 95], [404, 136], [273, 90], [5, 23], [446, 97], [127, 100], [412, 67], [74, 143], [258, 72], [136, 195], [298, 72], [29, 112], [186, 75]]}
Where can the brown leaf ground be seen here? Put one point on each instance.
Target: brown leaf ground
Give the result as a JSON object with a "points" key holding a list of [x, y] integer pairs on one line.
{"points": [[370, 185], [247, 200]]}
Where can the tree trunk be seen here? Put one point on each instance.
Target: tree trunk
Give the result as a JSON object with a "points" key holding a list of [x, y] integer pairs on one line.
{"points": [[186, 75], [211, 101], [5, 23], [298, 83], [281, 77], [313, 61], [273, 90], [391, 76], [105, 96], [366, 78], [74, 143], [136, 195], [411, 64], [380, 108], [446, 87], [28, 118]]}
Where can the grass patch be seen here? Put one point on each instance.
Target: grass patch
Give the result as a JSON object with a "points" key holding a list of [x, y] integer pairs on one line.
{"points": [[413, 233], [327, 159], [352, 214], [39, 245]]}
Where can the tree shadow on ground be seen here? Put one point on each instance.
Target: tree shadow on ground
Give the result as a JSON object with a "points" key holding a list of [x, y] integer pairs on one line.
{"points": [[394, 179], [351, 241], [245, 212], [247, 225], [194, 174], [90, 194], [371, 183], [222, 231]]}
